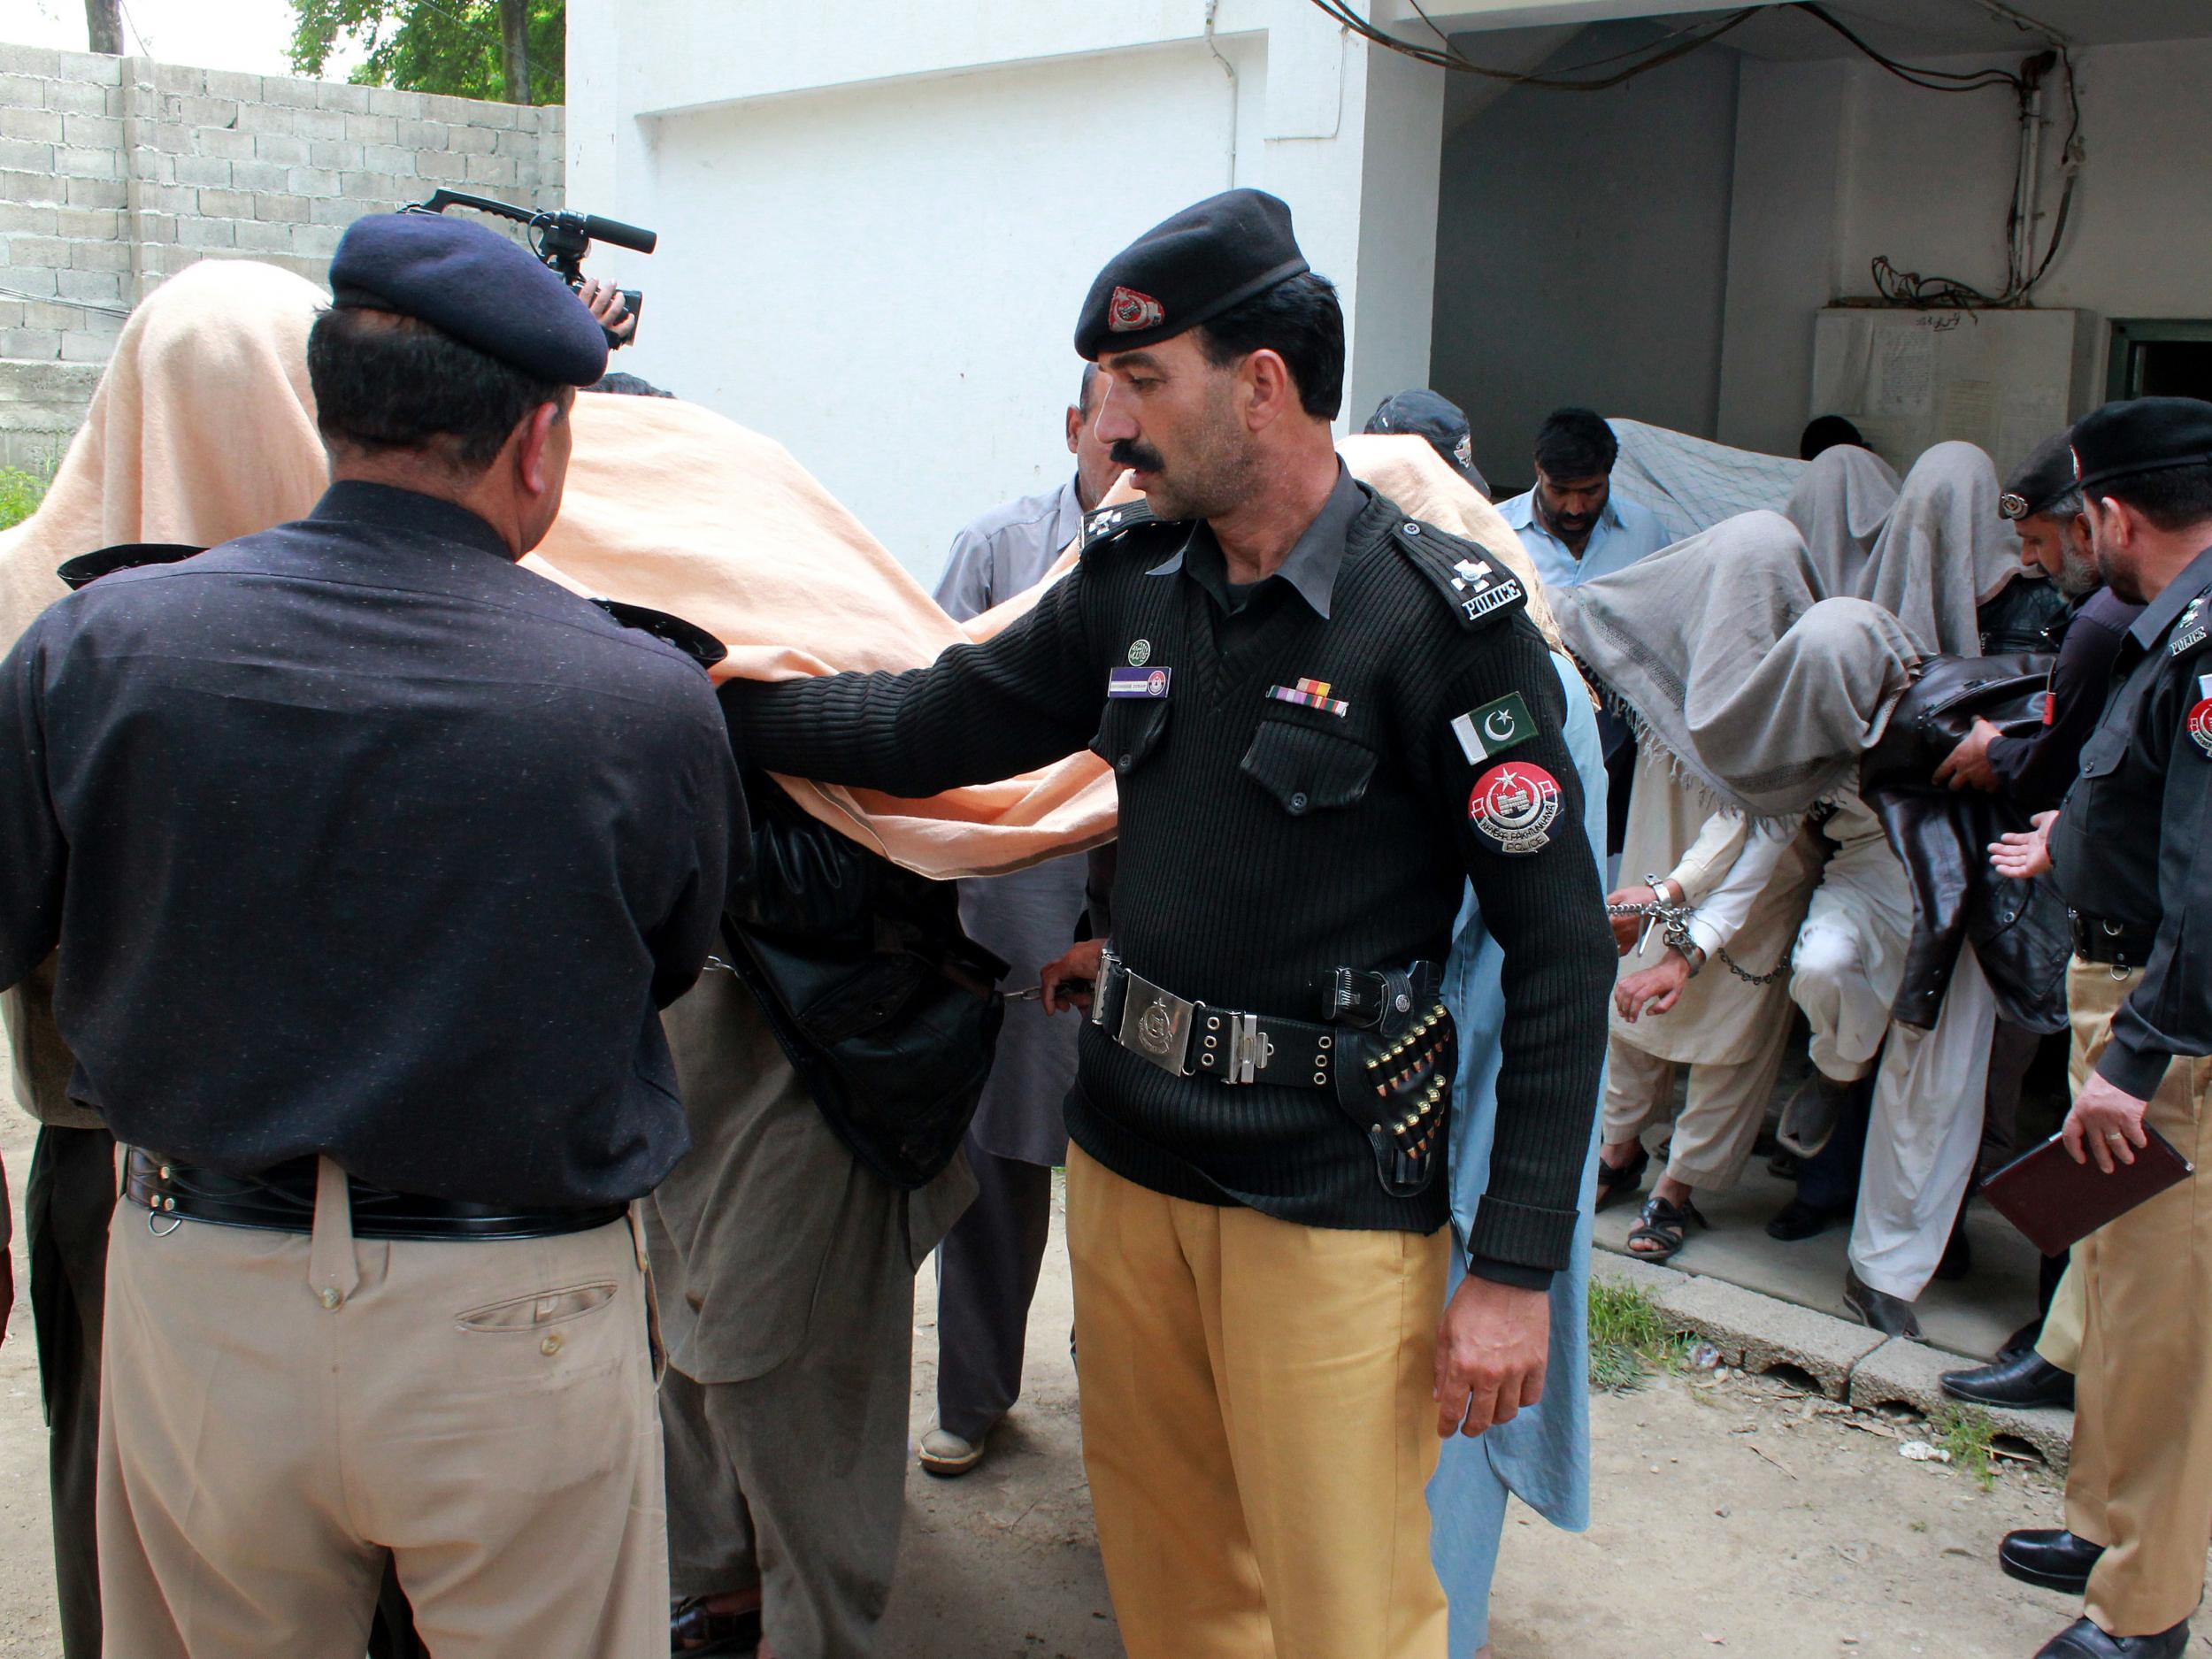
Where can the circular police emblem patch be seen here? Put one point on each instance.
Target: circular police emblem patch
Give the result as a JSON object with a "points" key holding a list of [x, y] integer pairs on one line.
{"points": [[1140, 653], [1514, 805], [2200, 725]]}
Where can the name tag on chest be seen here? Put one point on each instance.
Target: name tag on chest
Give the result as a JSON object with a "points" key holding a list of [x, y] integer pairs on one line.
{"points": [[1137, 682]]}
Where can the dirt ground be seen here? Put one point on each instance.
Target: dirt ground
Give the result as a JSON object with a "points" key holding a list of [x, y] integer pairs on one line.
{"points": [[1732, 1518]]}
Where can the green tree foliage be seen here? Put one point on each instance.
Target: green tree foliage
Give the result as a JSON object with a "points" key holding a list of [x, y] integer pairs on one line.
{"points": [[469, 49]]}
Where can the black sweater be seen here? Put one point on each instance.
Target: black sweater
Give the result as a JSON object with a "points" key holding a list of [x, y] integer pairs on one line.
{"points": [[1264, 842]]}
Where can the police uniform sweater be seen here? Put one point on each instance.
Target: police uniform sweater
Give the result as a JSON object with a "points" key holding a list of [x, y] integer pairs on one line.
{"points": [[1266, 840]]}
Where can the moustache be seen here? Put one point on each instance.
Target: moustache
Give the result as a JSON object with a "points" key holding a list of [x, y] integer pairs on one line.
{"points": [[1143, 456]]}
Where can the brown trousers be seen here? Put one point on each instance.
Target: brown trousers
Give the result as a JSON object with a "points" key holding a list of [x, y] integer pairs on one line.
{"points": [[2140, 1481], [1257, 1425], [277, 1412]]}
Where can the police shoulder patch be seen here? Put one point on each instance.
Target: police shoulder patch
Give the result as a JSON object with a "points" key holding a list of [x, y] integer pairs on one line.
{"points": [[1478, 587], [2190, 627], [1105, 525]]}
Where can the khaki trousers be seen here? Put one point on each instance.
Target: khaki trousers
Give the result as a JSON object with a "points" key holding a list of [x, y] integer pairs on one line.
{"points": [[2140, 1481], [2060, 1344], [277, 1413], [1258, 1425], [1720, 1118]]}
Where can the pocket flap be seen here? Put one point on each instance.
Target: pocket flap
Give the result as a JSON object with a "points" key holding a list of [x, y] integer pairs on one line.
{"points": [[1130, 730], [1307, 769]]}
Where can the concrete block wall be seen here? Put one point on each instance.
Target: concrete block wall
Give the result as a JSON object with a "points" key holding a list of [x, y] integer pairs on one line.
{"points": [[117, 171]]}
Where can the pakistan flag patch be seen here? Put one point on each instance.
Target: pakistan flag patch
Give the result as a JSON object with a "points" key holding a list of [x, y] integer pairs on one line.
{"points": [[1494, 728]]}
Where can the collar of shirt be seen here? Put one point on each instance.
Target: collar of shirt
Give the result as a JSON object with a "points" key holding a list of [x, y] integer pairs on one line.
{"points": [[352, 501], [1520, 514], [2158, 615], [1309, 567]]}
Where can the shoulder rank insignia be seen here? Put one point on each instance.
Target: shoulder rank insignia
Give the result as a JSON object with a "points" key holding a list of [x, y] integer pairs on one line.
{"points": [[2189, 628], [1102, 525], [1475, 585]]}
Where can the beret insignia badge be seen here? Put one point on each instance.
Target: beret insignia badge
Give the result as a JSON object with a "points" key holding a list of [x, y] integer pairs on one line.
{"points": [[1129, 311]]}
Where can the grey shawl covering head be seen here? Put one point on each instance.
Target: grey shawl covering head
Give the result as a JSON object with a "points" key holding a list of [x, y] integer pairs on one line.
{"points": [[1725, 651], [1944, 552], [1840, 507]]}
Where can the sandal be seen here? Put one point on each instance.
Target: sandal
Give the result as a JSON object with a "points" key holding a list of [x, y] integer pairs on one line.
{"points": [[1625, 1180], [695, 1632], [1663, 1225]]}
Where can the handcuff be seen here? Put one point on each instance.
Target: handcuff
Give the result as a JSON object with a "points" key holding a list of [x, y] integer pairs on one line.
{"points": [[1673, 922]]}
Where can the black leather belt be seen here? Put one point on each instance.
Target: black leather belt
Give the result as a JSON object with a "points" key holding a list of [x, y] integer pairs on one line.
{"points": [[1191, 1038], [2119, 944], [282, 1200]]}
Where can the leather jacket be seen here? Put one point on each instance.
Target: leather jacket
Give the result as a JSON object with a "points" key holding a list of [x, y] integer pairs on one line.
{"points": [[885, 1007], [2019, 929]]}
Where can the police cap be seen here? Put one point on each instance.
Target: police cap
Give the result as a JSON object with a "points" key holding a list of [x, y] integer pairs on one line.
{"points": [[2141, 435], [1421, 413], [1188, 269], [2045, 476], [474, 284]]}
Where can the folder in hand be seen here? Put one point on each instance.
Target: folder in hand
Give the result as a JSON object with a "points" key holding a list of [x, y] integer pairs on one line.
{"points": [[2057, 1202]]}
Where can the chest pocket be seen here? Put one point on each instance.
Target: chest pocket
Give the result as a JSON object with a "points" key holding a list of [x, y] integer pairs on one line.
{"points": [[1306, 768], [2102, 755], [1129, 732]]}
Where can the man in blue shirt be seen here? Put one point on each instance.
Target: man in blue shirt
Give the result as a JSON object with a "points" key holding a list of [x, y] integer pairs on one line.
{"points": [[1574, 528]]}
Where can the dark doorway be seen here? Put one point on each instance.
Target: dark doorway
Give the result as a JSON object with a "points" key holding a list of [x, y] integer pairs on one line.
{"points": [[2161, 359]]}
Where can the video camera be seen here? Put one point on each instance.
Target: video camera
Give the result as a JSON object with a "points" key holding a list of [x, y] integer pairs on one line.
{"points": [[561, 239]]}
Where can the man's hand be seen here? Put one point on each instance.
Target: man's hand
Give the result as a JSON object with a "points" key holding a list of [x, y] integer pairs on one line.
{"points": [[1068, 983], [606, 304], [2020, 854], [1967, 766], [1653, 990], [2107, 1123], [1626, 928], [1492, 1351]]}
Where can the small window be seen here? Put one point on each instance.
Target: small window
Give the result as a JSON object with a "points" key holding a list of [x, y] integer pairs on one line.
{"points": [[2161, 359]]}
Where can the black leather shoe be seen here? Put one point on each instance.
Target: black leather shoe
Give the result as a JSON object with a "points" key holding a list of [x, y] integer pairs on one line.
{"points": [[2025, 1380], [2084, 1640], [1891, 1316], [2049, 1560], [1798, 1219]]}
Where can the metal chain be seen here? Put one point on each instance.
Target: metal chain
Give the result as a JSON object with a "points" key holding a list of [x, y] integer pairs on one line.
{"points": [[1673, 921]]}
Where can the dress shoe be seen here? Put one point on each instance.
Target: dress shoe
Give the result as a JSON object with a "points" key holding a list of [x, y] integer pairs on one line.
{"points": [[2049, 1560], [2026, 1380], [1891, 1316], [1798, 1219], [947, 1455], [2084, 1640]]}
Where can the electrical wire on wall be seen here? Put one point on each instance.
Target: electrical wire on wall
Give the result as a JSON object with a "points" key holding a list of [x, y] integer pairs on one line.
{"points": [[1891, 286]]}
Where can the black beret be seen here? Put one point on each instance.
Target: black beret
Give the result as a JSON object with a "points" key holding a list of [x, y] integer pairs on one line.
{"points": [[2043, 478], [2141, 435], [1421, 413], [1187, 269], [473, 284]]}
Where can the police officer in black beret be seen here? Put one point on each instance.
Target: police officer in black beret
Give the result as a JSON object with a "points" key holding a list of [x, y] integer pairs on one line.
{"points": [[370, 859], [1323, 719], [2130, 851]]}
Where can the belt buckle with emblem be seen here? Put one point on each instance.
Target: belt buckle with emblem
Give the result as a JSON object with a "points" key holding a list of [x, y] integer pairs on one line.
{"points": [[1155, 1025]]}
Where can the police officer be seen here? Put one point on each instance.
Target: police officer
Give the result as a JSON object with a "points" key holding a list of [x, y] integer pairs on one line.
{"points": [[1324, 717], [2139, 1493], [371, 858]]}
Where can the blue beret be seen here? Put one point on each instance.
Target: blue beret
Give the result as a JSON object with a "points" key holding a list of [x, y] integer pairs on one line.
{"points": [[1188, 269], [2141, 435], [474, 284]]}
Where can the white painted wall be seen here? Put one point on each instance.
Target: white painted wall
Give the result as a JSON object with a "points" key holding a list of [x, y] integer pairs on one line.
{"points": [[1582, 252], [1839, 162], [877, 228]]}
